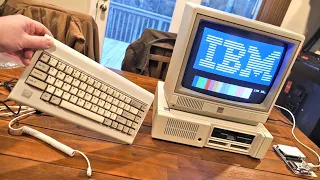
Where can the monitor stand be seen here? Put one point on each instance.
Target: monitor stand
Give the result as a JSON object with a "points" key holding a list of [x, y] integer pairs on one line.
{"points": [[202, 131]]}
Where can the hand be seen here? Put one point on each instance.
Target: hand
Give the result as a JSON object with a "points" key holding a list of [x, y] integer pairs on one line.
{"points": [[21, 36]]}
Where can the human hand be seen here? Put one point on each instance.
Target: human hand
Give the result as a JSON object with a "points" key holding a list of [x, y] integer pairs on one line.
{"points": [[20, 35]]}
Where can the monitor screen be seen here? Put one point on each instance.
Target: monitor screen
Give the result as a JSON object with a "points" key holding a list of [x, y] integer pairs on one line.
{"points": [[232, 63]]}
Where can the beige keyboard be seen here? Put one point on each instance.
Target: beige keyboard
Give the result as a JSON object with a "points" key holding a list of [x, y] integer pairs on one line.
{"points": [[63, 85]]}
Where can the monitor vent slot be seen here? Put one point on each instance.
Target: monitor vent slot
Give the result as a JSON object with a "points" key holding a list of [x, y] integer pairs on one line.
{"points": [[181, 129], [190, 103]]}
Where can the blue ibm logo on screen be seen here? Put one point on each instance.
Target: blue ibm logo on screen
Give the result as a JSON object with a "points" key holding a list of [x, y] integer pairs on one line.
{"points": [[239, 58]]}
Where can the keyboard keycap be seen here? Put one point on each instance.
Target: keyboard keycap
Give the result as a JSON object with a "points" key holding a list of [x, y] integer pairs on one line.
{"points": [[68, 79], [80, 102], [101, 103], [81, 94], [109, 99], [66, 87], [58, 92], [61, 75], [129, 123], [135, 104], [53, 62], [113, 109], [61, 66], [114, 124], [83, 86], [107, 122], [36, 83], [66, 96], [128, 115], [103, 88], [121, 119], [94, 100], [89, 89], [113, 116], [76, 74], [120, 127], [83, 77], [143, 108], [127, 107], [42, 66], [38, 74], [107, 113], [119, 111], [103, 96], [53, 71], [55, 100], [73, 90], [50, 79], [94, 108], [121, 104], [116, 94], [75, 82], [81, 111], [45, 58], [68, 70], [140, 113], [87, 105], [88, 97], [90, 81], [101, 111], [50, 89], [134, 110], [96, 92], [127, 100], [46, 96], [97, 84], [137, 119], [134, 125], [107, 105], [73, 99], [125, 129], [131, 131], [115, 101], [110, 91], [58, 83]]}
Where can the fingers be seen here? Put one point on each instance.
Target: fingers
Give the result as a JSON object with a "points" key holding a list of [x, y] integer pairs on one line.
{"points": [[25, 61], [40, 29], [37, 42], [28, 53], [20, 56]]}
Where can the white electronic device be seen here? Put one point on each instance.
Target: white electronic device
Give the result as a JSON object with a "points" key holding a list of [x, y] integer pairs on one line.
{"points": [[69, 85], [201, 131], [227, 66]]}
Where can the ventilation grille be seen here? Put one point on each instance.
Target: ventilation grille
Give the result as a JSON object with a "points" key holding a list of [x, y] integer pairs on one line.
{"points": [[181, 129], [190, 103]]}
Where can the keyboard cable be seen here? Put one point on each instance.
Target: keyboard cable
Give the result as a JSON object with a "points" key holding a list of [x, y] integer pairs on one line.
{"points": [[26, 111], [39, 135], [292, 132]]}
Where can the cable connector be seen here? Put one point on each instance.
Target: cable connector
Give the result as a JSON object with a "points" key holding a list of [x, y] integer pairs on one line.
{"points": [[89, 172]]}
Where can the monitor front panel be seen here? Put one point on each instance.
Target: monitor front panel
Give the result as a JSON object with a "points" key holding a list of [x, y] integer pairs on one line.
{"points": [[233, 64]]}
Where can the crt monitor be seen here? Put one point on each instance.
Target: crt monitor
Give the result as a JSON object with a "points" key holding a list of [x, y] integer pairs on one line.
{"points": [[227, 66]]}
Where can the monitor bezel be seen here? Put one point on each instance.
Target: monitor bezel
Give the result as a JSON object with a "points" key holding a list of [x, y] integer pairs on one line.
{"points": [[263, 106]]}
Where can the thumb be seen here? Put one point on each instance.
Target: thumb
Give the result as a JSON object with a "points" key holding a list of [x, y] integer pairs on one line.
{"points": [[37, 42]]}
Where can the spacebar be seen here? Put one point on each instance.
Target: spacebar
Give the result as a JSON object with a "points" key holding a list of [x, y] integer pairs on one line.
{"points": [[81, 111]]}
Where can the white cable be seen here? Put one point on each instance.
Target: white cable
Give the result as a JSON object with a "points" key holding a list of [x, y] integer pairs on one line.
{"points": [[23, 109], [292, 131], [89, 170], [47, 139]]}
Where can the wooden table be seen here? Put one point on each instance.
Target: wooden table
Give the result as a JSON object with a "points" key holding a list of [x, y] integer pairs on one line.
{"points": [[24, 157]]}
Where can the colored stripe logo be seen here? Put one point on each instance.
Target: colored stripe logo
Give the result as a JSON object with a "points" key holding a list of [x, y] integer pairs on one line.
{"points": [[221, 87]]}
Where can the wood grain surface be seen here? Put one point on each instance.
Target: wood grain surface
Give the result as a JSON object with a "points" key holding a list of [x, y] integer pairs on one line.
{"points": [[24, 157]]}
